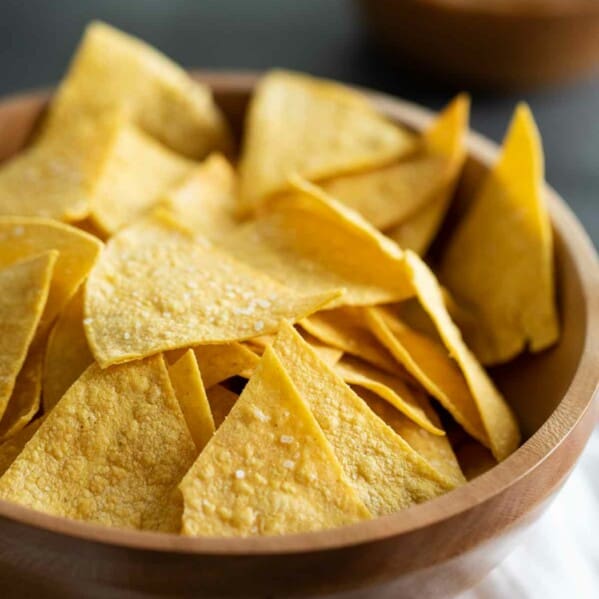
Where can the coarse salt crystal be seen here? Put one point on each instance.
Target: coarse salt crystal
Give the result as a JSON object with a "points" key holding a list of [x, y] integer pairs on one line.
{"points": [[290, 465], [258, 325], [286, 439], [239, 474]]}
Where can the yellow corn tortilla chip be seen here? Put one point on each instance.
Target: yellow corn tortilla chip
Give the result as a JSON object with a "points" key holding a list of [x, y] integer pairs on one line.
{"points": [[205, 200], [23, 237], [114, 71], [303, 240], [24, 289], [269, 469], [11, 448], [67, 353], [499, 421], [156, 287], [222, 361], [386, 472], [346, 329], [189, 390], [388, 387], [221, 401], [499, 261], [137, 172], [435, 449], [112, 451], [259, 343], [316, 128], [444, 140], [24, 401], [430, 363]]}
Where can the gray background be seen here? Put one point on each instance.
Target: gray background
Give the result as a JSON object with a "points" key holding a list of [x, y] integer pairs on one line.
{"points": [[322, 37]]}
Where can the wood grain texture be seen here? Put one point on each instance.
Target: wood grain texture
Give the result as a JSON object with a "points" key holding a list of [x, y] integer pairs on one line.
{"points": [[432, 550]]}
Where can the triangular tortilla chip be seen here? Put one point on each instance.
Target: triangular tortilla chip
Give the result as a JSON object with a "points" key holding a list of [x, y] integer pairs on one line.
{"points": [[67, 353], [22, 238], [112, 451], [24, 289], [137, 172], [222, 361], [189, 389], [11, 448], [499, 421], [221, 401], [302, 241], [388, 387], [157, 288], [115, 71], [444, 140], [435, 449], [269, 469], [24, 401], [318, 129], [346, 329], [499, 262], [205, 200], [386, 472]]}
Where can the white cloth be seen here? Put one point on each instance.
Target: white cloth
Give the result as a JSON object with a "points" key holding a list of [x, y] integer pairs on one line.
{"points": [[559, 558]]}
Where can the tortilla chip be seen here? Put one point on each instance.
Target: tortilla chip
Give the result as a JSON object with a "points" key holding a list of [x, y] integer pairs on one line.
{"points": [[269, 469], [499, 262], [67, 354], [22, 237], [137, 172], [386, 472], [11, 448], [24, 289], [303, 240], [499, 421], [260, 343], [445, 141], [220, 362], [221, 401], [390, 388], [205, 200], [112, 451], [315, 128], [329, 355], [435, 449], [115, 71], [24, 402], [157, 288], [346, 329], [189, 389]]}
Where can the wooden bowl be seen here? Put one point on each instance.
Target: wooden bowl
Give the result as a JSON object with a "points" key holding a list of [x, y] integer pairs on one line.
{"points": [[434, 549], [508, 44]]}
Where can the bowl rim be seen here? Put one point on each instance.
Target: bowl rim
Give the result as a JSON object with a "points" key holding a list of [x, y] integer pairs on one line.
{"points": [[581, 394]]}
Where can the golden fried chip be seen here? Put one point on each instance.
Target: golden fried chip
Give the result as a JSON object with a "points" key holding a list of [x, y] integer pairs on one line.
{"points": [[303, 240], [499, 421], [435, 449], [499, 262], [24, 401], [388, 387], [205, 200], [259, 343], [346, 329], [329, 355], [222, 361], [386, 472], [22, 238], [189, 389], [112, 451], [269, 469], [137, 172], [221, 401], [12, 447], [317, 129], [444, 140], [157, 288], [67, 354], [24, 289], [115, 71]]}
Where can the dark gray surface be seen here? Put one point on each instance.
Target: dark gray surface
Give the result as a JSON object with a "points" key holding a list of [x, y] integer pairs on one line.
{"points": [[321, 37]]}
